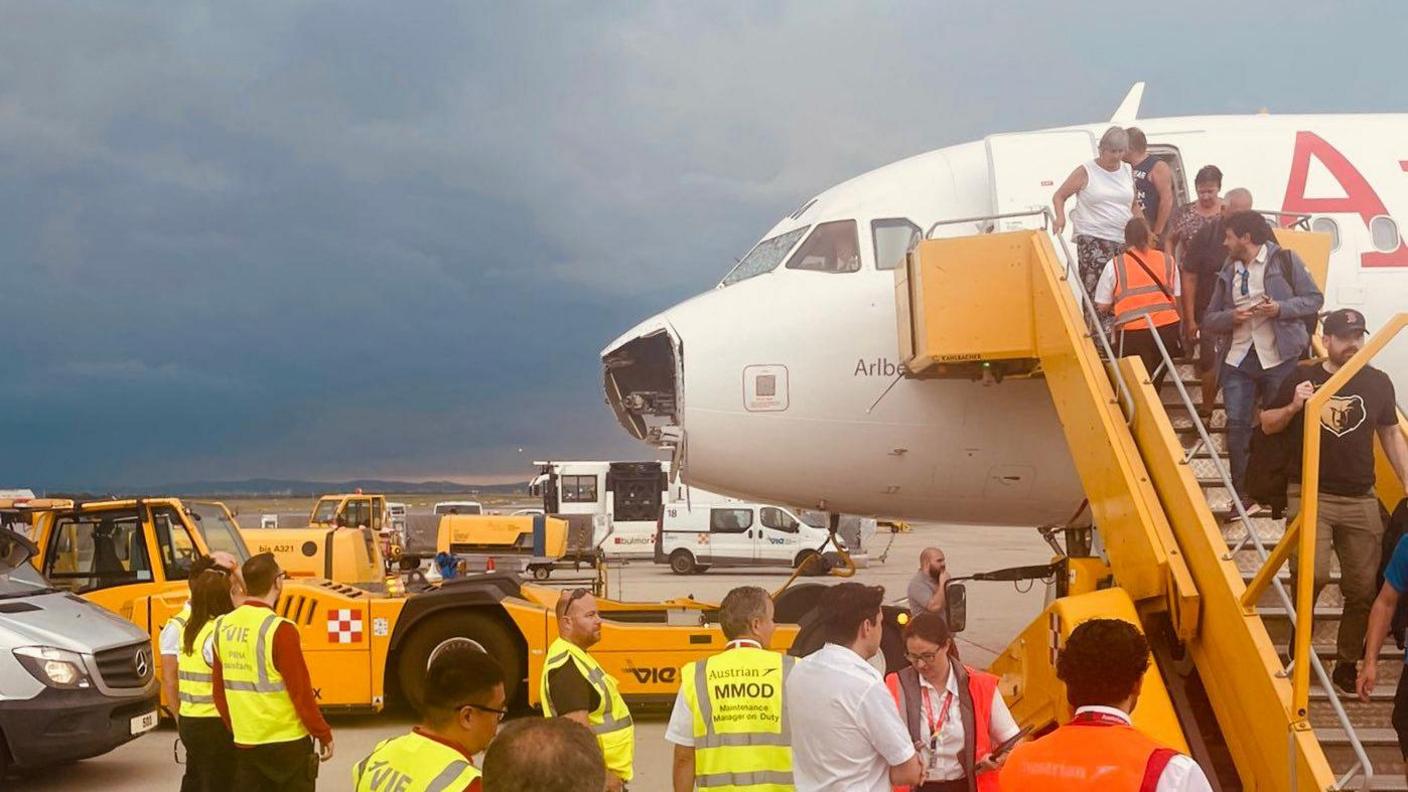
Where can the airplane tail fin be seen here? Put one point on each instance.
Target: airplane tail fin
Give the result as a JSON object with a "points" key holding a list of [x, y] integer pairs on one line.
{"points": [[1129, 108]]}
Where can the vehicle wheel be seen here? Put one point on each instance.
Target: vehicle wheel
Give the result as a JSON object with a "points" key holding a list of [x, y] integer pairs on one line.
{"points": [[407, 563], [541, 572], [482, 628], [812, 636], [682, 562], [796, 602], [811, 563]]}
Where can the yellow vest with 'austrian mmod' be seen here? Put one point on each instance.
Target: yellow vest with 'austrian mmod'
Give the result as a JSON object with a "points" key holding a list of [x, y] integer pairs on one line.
{"points": [[413, 763], [610, 721], [741, 739], [261, 711]]}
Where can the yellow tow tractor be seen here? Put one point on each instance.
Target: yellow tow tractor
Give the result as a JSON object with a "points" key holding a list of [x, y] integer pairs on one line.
{"points": [[369, 643], [347, 539]]}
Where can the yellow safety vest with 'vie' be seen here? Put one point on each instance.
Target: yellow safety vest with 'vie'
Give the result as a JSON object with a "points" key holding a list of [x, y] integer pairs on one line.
{"points": [[194, 678], [741, 739], [413, 763], [610, 721], [261, 711]]}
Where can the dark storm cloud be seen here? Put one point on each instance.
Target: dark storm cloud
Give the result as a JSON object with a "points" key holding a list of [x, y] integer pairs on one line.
{"points": [[328, 239]]}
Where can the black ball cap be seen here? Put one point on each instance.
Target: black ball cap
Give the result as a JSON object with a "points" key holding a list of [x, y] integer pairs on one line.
{"points": [[1345, 322]]}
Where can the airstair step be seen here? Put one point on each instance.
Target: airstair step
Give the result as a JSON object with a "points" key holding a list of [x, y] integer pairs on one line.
{"points": [[1376, 714], [1380, 744]]}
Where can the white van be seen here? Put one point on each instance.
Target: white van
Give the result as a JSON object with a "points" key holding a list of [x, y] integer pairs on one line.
{"points": [[695, 536]]}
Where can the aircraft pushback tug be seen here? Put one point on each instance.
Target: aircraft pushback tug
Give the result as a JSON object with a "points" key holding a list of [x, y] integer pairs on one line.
{"points": [[999, 307]]}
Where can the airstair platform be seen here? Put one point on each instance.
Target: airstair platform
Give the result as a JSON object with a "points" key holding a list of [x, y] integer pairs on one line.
{"points": [[1175, 553]]}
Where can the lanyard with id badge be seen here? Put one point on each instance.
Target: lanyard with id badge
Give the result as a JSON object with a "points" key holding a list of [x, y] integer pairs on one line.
{"points": [[936, 727]]}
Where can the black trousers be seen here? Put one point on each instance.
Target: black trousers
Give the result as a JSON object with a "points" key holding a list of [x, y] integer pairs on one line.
{"points": [[277, 767], [1140, 342], [210, 755]]}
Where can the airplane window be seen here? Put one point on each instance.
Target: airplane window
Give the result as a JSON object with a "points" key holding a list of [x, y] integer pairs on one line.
{"points": [[832, 247], [893, 238], [1327, 225], [1384, 232], [764, 257]]}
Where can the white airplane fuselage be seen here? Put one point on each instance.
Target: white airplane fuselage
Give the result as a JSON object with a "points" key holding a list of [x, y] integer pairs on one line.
{"points": [[958, 451]]}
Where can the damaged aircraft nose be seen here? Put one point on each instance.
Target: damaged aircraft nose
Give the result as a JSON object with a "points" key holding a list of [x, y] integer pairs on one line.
{"points": [[643, 374]]}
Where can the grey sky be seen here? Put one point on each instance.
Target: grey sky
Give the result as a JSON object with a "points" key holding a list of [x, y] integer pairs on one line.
{"points": [[354, 239]]}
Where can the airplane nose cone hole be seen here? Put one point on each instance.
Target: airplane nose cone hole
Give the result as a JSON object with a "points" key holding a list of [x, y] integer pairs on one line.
{"points": [[642, 385]]}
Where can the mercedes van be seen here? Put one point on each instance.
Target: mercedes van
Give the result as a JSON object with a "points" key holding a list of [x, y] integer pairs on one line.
{"points": [[76, 680]]}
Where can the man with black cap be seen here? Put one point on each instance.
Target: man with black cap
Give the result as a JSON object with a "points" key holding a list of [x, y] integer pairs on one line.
{"points": [[1348, 517]]}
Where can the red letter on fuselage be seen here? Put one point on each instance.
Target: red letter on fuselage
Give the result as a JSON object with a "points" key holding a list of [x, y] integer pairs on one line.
{"points": [[1359, 198]]}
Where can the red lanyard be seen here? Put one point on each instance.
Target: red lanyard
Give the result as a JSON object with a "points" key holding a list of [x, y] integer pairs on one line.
{"points": [[936, 726]]}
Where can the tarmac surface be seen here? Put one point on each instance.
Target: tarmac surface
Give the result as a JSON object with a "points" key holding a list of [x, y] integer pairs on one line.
{"points": [[996, 612]]}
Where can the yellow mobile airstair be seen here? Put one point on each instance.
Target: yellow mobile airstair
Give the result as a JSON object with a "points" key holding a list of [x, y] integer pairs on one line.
{"points": [[1171, 548]]}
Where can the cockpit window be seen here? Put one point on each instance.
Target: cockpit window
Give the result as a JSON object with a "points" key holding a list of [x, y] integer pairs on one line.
{"points": [[764, 257], [832, 247], [893, 239]]}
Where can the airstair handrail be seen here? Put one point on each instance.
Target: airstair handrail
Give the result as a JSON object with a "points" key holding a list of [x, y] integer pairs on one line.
{"points": [[1087, 303], [1296, 219], [1302, 661]]}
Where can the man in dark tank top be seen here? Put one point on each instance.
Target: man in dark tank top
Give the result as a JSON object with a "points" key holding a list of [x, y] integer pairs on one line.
{"points": [[1153, 183]]}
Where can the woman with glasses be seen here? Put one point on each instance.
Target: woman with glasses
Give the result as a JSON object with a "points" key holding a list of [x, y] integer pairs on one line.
{"points": [[938, 697], [210, 751], [464, 702]]}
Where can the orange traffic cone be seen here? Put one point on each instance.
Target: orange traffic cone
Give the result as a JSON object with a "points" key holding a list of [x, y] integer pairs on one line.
{"points": [[489, 567]]}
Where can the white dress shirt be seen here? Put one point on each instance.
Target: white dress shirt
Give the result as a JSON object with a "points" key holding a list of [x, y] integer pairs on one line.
{"points": [[1258, 331], [942, 764], [1182, 774], [846, 732]]}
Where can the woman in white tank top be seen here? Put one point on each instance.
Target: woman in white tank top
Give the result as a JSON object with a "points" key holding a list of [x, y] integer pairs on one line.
{"points": [[1104, 191]]}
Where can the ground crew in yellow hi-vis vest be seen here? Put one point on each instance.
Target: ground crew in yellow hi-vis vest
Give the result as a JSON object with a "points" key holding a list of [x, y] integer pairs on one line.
{"points": [[463, 703], [210, 753], [728, 726], [575, 686], [170, 637], [263, 692]]}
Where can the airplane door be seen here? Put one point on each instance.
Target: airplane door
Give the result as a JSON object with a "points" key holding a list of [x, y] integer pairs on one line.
{"points": [[1025, 169]]}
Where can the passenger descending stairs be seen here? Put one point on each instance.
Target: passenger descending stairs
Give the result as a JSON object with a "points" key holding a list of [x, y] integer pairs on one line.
{"points": [[1371, 721], [1008, 306]]}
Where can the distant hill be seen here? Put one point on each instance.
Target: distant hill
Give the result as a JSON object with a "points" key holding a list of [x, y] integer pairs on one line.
{"points": [[260, 487]]}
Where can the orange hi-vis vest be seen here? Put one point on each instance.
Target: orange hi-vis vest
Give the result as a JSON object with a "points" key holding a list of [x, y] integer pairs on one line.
{"points": [[1093, 751], [975, 692], [1138, 295]]}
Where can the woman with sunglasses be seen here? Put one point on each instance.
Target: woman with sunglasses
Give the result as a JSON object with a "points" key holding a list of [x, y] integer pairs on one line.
{"points": [[210, 750], [938, 698], [464, 702]]}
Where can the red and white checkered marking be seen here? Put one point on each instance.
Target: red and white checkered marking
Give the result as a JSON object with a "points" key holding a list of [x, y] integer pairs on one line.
{"points": [[345, 625]]}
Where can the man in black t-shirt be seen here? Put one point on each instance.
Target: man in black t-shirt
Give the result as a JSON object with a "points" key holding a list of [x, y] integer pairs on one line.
{"points": [[1348, 517]]}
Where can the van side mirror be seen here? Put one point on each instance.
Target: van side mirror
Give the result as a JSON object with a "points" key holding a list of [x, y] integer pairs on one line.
{"points": [[956, 607]]}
